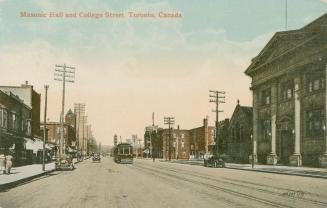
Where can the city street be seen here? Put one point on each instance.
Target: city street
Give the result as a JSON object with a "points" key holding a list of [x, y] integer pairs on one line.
{"points": [[163, 184]]}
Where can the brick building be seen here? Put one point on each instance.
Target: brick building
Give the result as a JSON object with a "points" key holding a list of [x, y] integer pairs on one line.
{"points": [[53, 129], [30, 98], [179, 143], [188, 144], [201, 140], [289, 97], [15, 127]]}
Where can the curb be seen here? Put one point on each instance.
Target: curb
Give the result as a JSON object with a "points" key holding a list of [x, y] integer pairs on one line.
{"points": [[280, 173], [257, 170], [13, 184]]}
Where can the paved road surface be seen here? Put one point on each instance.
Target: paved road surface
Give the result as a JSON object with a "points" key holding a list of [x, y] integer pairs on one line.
{"points": [[161, 185]]}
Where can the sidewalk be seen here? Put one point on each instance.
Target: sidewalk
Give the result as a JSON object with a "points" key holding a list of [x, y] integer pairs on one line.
{"points": [[23, 174], [278, 169]]}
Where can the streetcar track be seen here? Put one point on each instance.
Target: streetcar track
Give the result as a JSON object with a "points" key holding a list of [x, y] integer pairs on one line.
{"points": [[215, 197], [253, 188], [235, 184], [225, 190]]}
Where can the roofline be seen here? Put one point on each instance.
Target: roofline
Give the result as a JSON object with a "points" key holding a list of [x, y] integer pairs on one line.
{"points": [[278, 34]]}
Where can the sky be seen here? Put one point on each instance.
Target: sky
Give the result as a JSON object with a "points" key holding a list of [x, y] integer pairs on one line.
{"points": [[127, 68]]}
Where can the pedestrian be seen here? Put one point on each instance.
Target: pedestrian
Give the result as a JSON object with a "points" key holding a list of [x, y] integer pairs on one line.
{"points": [[8, 163], [2, 163], [154, 158]]}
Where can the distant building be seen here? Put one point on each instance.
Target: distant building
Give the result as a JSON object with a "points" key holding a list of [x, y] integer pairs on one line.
{"points": [[70, 118], [149, 135], [289, 97], [200, 139], [179, 144], [223, 136], [115, 140], [188, 144], [54, 130]]}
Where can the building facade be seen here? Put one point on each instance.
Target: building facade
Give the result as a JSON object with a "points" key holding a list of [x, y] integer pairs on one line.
{"points": [[289, 97], [30, 98], [178, 146], [188, 144], [15, 127], [239, 144], [149, 135], [202, 140]]}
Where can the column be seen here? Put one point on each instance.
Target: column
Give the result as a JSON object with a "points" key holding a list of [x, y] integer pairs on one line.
{"points": [[255, 130], [323, 157], [272, 157], [295, 159]]}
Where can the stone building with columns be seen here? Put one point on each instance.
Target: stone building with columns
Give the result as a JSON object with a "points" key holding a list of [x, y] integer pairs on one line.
{"points": [[289, 97]]}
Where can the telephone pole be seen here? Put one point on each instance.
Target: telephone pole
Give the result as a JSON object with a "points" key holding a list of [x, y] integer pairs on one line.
{"points": [[83, 139], [45, 125], [169, 121], [63, 74], [217, 98]]}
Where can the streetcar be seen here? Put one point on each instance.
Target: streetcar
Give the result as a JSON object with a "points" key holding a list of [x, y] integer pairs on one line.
{"points": [[123, 153]]}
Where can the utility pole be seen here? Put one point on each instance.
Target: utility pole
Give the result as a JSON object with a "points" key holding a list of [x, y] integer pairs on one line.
{"points": [[134, 137], [79, 108], [217, 99], [83, 139], [169, 121], [45, 125], [63, 74]]}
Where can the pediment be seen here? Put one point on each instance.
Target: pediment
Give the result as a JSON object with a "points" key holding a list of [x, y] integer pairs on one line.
{"points": [[285, 41]]}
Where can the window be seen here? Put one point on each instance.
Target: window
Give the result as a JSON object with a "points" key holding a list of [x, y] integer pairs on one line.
{"points": [[316, 83], [241, 134], [29, 131], [265, 99], [315, 122], [266, 130], [14, 120], [287, 90], [4, 119], [1, 111], [182, 136]]}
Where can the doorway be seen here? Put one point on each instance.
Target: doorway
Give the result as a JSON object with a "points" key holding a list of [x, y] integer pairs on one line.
{"points": [[287, 146]]}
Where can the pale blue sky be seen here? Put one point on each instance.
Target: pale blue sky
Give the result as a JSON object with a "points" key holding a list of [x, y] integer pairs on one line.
{"points": [[132, 67]]}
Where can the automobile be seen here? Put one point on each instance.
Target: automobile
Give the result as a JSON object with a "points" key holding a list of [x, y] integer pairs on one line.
{"points": [[96, 158], [215, 161], [65, 162]]}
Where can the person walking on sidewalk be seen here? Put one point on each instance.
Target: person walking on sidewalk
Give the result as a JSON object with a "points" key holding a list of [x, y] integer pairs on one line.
{"points": [[8, 163], [2, 163]]}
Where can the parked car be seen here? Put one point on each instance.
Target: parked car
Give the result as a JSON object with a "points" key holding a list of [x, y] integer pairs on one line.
{"points": [[65, 162], [96, 158], [214, 161]]}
